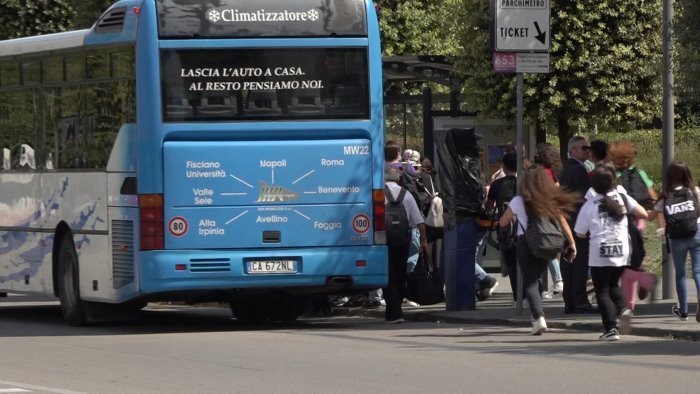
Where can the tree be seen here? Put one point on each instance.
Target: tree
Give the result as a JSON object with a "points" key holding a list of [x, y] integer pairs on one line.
{"points": [[87, 12], [604, 67], [687, 32], [31, 17]]}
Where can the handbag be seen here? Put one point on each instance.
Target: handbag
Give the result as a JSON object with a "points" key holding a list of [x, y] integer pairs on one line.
{"points": [[425, 286]]}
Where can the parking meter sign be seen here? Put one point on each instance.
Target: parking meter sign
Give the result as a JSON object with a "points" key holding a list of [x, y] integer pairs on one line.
{"points": [[360, 223], [178, 226]]}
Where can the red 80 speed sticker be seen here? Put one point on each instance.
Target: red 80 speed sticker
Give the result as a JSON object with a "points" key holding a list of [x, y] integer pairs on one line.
{"points": [[178, 226], [360, 223]]}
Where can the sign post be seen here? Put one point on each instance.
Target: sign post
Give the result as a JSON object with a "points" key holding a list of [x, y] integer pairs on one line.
{"points": [[522, 39]]}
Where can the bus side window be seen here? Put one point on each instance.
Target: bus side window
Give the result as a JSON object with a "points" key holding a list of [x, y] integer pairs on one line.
{"points": [[262, 102], [217, 104], [177, 105], [6, 159], [306, 102], [26, 157]]}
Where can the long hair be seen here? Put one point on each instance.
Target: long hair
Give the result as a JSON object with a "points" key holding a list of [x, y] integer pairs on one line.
{"points": [[541, 196], [548, 156], [677, 174], [603, 181], [622, 154]]}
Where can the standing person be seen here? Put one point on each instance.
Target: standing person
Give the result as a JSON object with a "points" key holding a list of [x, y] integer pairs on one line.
{"points": [[539, 198], [599, 151], [503, 190], [574, 178], [604, 218], [679, 207], [395, 291], [548, 156]]}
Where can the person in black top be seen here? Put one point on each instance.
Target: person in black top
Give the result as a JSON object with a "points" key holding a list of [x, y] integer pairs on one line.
{"points": [[575, 178]]}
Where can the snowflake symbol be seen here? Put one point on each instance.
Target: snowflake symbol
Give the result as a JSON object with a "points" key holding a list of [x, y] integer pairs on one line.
{"points": [[213, 16], [312, 14]]}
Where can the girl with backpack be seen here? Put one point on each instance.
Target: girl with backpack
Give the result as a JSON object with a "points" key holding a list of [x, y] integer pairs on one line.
{"points": [[679, 220], [539, 198], [603, 219]]}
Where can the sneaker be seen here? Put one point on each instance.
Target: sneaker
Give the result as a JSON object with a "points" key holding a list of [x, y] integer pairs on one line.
{"points": [[375, 303], [486, 288], [341, 301], [625, 321], [410, 303], [683, 315], [395, 321], [558, 287], [547, 295], [538, 326], [610, 335]]}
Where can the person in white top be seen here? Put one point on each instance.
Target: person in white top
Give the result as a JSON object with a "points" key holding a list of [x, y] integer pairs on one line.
{"points": [[603, 219], [678, 177], [395, 290], [539, 197]]}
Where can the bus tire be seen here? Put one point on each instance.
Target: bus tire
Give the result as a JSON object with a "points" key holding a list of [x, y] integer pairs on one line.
{"points": [[248, 310], [73, 307], [282, 307]]}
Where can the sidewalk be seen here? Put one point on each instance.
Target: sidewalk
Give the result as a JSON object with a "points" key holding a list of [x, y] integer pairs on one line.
{"points": [[650, 319]]}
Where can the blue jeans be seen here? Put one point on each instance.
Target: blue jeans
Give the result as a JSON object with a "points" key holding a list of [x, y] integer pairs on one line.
{"points": [[480, 273], [413, 250], [554, 270], [679, 250]]}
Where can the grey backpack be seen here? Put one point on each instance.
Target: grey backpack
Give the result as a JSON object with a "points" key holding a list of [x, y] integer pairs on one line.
{"points": [[544, 237]]}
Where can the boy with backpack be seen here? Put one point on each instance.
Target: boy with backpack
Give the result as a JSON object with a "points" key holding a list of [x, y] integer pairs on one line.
{"points": [[401, 215]]}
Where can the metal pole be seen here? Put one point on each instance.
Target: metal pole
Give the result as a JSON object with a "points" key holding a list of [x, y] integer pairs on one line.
{"points": [[519, 150], [668, 272], [405, 130]]}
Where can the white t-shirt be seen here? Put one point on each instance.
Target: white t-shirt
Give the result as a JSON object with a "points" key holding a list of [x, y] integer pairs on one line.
{"points": [[592, 194], [517, 205], [659, 207], [609, 240], [409, 204]]}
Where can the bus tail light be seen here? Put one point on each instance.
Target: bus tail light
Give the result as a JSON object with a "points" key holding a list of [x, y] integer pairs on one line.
{"points": [[151, 215], [378, 216]]}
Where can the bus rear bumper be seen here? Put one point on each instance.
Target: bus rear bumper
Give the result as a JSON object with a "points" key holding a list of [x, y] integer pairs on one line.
{"points": [[325, 267]]}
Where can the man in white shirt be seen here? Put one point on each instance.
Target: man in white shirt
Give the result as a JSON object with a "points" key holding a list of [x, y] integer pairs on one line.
{"points": [[395, 291]]}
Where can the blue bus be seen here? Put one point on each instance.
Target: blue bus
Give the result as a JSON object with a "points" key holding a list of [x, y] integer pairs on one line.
{"points": [[192, 151]]}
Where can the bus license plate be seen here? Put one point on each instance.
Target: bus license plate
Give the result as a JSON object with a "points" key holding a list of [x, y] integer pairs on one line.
{"points": [[271, 267]]}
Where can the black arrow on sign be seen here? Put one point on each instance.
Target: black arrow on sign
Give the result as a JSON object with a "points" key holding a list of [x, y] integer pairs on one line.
{"points": [[541, 36]]}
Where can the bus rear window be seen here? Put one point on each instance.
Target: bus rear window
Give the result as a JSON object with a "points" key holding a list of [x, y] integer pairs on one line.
{"points": [[245, 84], [261, 18]]}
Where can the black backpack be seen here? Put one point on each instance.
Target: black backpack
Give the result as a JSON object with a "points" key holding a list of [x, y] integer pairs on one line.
{"points": [[681, 213], [633, 183], [395, 219], [506, 193], [415, 184], [544, 237]]}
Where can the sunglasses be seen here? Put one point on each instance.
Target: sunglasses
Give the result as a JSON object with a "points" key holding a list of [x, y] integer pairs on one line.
{"points": [[586, 147]]}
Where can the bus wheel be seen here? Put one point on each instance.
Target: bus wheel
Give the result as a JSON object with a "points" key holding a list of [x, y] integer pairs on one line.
{"points": [[282, 307], [73, 308], [248, 310]]}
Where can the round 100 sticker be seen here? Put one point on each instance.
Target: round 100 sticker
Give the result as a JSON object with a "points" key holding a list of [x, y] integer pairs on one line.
{"points": [[360, 223], [177, 226]]}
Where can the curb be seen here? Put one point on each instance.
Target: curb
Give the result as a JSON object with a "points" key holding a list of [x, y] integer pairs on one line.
{"points": [[430, 317]]}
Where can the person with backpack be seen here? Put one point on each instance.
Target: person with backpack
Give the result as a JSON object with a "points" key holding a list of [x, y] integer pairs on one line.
{"points": [[501, 191], [603, 220], [540, 210], [402, 215], [634, 179], [678, 205], [548, 156]]}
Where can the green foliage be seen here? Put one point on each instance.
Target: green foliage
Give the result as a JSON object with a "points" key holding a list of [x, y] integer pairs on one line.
{"points": [[31, 17], [687, 30], [605, 67], [87, 12]]}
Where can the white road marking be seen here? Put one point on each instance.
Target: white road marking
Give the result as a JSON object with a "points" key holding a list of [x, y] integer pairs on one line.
{"points": [[55, 390]]}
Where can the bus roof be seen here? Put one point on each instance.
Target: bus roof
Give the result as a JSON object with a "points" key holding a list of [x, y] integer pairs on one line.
{"points": [[42, 43]]}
